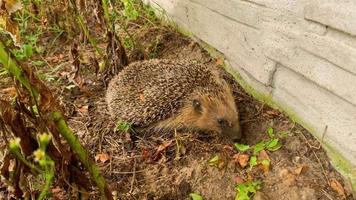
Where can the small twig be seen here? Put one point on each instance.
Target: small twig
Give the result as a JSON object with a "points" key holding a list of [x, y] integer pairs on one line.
{"points": [[110, 162], [322, 137], [310, 145], [317, 158], [133, 177], [322, 167], [133, 172], [73, 187]]}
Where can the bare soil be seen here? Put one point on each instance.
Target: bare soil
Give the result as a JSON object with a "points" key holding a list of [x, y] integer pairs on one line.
{"points": [[175, 164]]}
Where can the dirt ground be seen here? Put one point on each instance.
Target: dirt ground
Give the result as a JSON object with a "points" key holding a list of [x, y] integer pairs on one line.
{"points": [[140, 169], [175, 164]]}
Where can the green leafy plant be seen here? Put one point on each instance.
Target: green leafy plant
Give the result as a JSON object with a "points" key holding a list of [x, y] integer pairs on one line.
{"points": [[195, 196], [242, 147], [129, 10], [123, 126], [214, 161], [273, 144], [246, 190]]}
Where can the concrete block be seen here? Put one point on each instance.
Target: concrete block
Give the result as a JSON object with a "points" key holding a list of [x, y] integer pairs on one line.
{"points": [[240, 44], [341, 37], [318, 108], [177, 11], [239, 11], [320, 71], [249, 79], [339, 14], [332, 50]]}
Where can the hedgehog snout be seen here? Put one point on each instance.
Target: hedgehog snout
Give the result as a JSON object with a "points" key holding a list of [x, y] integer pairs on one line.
{"points": [[231, 130]]}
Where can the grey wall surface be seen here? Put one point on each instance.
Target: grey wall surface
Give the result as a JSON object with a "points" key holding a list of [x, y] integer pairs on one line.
{"points": [[301, 53]]}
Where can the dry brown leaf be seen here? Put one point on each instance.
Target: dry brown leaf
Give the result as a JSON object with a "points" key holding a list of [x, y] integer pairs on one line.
{"points": [[300, 169], [242, 159], [161, 148], [219, 61], [56, 190], [84, 109], [102, 157], [337, 187], [263, 156], [238, 180], [145, 154]]}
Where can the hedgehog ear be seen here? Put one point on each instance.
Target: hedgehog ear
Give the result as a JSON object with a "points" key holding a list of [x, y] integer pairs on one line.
{"points": [[197, 105]]}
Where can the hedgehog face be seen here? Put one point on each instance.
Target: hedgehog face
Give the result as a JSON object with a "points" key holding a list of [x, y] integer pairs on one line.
{"points": [[208, 112], [216, 113]]}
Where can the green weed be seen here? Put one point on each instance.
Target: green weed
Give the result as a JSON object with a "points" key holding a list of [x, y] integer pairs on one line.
{"points": [[123, 126], [246, 190], [195, 196], [273, 144]]}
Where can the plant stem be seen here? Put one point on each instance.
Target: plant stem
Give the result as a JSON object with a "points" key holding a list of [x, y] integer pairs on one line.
{"points": [[82, 154], [26, 162], [49, 176], [12, 66], [87, 35], [106, 12]]}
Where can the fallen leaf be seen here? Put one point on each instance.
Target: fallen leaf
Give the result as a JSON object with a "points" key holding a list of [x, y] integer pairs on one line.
{"points": [[265, 164], [161, 148], [219, 61], [249, 176], [238, 180], [84, 109], [102, 157], [56, 190], [164, 146], [300, 169], [263, 156], [145, 154], [242, 159], [337, 187]]}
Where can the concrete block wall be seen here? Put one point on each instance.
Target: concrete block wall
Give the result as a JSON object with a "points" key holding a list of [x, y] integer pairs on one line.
{"points": [[300, 53]]}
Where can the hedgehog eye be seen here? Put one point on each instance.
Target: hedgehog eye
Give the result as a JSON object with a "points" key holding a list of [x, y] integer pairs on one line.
{"points": [[197, 105]]}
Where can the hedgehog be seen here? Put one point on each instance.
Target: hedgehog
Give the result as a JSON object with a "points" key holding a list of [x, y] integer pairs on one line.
{"points": [[166, 94]]}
